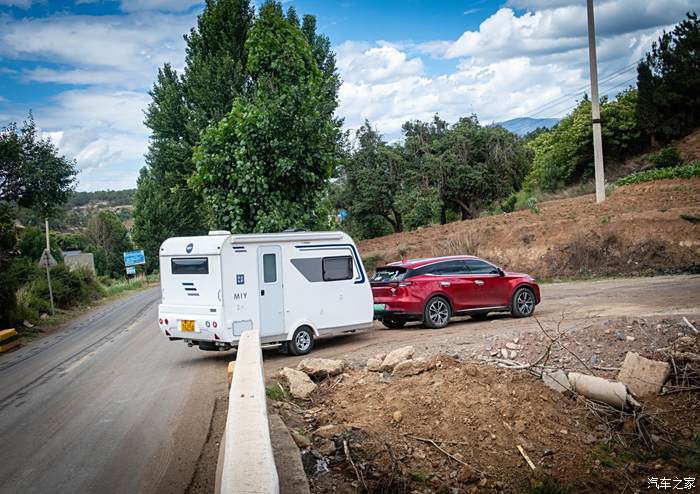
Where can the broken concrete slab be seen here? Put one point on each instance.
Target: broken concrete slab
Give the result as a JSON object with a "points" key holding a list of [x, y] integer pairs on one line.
{"points": [[300, 385], [396, 356], [411, 367], [321, 367], [556, 380], [374, 364], [600, 389], [643, 376]]}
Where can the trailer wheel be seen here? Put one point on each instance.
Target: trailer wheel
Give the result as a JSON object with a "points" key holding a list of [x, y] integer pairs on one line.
{"points": [[302, 341]]}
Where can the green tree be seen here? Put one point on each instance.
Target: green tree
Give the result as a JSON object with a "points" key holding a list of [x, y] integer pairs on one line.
{"points": [[668, 80], [32, 173], [164, 203], [479, 165], [372, 179], [266, 165], [110, 237], [33, 242]]}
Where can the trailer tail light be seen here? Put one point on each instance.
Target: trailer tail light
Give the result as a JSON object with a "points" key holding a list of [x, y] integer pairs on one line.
{"points": [[160, 321], [214, 324]]}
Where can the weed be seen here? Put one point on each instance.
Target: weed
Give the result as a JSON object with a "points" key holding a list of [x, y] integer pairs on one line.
{"points": [[277, 393], [665, 157], [684, 171], [604, 220], [459, 245], [608, 457], [419, 476], [532, 205]]}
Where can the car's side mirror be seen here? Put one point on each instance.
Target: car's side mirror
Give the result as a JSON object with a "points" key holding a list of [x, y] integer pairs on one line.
{"points": [[501, 272]]}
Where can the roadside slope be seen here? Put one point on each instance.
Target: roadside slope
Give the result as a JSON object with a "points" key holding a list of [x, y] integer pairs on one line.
{"points": [[638, 230]]}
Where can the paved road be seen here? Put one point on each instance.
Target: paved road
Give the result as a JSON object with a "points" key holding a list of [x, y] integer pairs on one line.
{"points": [[109, 405], [106, 405]]}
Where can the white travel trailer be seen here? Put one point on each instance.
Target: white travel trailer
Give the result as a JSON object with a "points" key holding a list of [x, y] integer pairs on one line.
{"points": [[293, 286]]}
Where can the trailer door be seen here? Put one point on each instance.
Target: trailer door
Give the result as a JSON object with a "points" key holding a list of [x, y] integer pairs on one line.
{"points": [[271, 293]]}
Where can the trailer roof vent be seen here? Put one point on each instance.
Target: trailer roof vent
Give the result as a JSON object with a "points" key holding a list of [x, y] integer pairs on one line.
{"points": [[219, 232]]}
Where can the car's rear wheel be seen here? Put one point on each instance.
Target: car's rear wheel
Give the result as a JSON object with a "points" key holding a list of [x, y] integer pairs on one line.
{"points": [[437, 313], [523, 302], [302, 341], [393, 323]]}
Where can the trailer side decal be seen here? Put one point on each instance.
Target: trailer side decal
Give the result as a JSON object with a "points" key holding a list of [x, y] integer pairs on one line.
{"points": [[355, 256]]}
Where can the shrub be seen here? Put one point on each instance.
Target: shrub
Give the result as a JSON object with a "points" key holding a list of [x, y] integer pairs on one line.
{"points": [[70, 288], [685, 171], [665, 157]]}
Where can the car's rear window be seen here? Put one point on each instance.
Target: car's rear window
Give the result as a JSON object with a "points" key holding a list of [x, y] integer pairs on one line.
{"points": [[388, 274]]}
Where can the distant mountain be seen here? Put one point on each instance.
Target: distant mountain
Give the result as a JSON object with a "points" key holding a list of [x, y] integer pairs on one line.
{"points": [[522, 126]]}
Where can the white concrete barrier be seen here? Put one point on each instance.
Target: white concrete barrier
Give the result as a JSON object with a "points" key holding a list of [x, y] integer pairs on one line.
{"points": [[248, 462]]}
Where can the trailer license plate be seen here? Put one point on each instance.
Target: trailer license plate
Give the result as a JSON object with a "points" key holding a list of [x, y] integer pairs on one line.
{"points": [[186, 325], [379, 306]]}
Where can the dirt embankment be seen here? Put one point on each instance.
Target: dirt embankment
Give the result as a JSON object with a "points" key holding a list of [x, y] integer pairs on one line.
{"points": [[639, 229]]}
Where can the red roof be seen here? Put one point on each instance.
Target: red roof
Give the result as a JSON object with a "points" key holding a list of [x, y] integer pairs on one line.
{"points": [[416, 263]]}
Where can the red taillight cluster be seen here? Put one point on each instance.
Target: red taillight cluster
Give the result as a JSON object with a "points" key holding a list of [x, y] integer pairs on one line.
{"points": [[213, 324], [160, 321]]}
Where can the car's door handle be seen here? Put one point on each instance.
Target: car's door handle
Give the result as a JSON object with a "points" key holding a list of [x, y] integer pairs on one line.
{"points": [[445, 283], [478, 282], [262, 292]]}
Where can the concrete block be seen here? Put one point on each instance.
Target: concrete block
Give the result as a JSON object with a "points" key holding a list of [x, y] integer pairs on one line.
{"points": [[556, 380], [643, 376]]}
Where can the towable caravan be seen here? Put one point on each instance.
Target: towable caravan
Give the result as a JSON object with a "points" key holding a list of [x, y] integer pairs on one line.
{"points": [[292, 286]]}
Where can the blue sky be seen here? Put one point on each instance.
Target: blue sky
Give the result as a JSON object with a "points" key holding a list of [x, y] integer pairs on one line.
{"points": [[84, 67]]}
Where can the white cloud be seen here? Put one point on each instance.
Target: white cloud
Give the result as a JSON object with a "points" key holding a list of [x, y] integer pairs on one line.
{"points": [[159, 5], [516, 64]]}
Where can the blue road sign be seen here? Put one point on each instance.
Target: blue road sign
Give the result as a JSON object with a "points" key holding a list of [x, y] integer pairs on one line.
{"points": [[134, 257]]}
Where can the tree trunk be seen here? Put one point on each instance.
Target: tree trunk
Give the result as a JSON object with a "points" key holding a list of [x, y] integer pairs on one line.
{"points": [[468, 211], [443, 215], [399, 223]]}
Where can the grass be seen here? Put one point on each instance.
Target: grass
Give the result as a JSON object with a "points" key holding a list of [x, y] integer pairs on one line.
{"points": [[418, 476], [691, 217], [608, 457], [683, 171]]}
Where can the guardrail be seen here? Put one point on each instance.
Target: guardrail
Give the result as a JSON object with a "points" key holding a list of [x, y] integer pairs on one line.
{"points": [[248, 464]]}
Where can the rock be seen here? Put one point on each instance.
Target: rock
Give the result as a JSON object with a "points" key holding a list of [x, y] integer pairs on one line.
{"points": [[630, 338], [595, 359], [229, 371], [493, 353], [513, 354], [330, 430], [643, 376], [556, 380], [411, 367], [299, 384], [512, 346], [397, 416], [563, 432], [44, 316], [301, 440], [504, 353], [590, 439], [327, 448], [380, 356], [27, 324], [396, 356], [374, 364], [619, 335], [516, 340], [321, 367]]}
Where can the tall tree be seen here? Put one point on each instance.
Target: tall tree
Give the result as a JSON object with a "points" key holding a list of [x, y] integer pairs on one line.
{"points": [[373, 179], [109, 236], [668, 80], [266, 165]]}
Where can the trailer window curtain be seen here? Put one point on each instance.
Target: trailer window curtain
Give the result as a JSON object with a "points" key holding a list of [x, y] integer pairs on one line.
{"points": [[337, 268], [189, 265]]}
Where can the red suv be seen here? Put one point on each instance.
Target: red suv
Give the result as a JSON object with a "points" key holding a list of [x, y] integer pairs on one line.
{"points": [[434, 290]]}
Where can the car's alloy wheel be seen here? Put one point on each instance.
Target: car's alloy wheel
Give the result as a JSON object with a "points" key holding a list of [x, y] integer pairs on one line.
{"points": [[302, 341], [437, 313], [523, 303]]}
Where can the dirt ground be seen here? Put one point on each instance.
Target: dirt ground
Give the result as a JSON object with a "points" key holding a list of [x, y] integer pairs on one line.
{"points": [[638, 230], [457, 427]]}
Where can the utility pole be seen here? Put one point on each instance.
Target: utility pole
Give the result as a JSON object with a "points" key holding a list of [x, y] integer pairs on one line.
{"points": [[595, 109], [47, 256]]}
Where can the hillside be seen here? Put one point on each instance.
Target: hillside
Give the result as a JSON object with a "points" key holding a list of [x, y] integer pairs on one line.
{"points": [[638, 230]]}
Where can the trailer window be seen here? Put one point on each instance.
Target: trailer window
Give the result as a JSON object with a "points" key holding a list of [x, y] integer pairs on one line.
{"points": [[337, 268], [190, 265], [269, 268]]}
